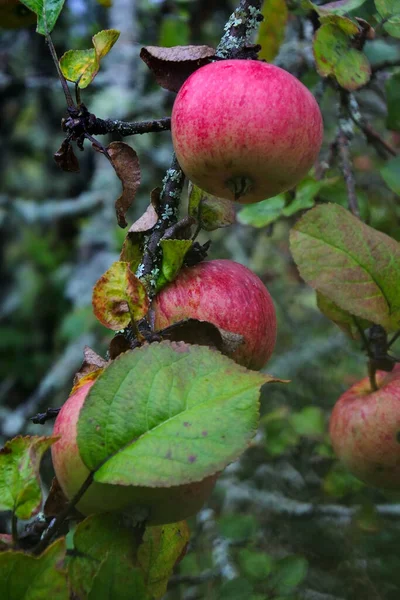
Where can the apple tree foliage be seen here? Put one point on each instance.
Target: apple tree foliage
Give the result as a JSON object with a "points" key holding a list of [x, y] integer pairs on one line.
{"points": [[354, 268]]}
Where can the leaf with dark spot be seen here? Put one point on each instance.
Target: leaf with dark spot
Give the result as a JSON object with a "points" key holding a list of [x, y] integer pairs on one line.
{"points": [[66, 159], [126, 164], [172, 66]]}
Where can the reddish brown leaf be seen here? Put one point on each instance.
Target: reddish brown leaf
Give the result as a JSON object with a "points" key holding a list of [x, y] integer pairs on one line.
{"points": [[172, 66], [66, 159], [92, 363], [118, 345], [126, 164]]}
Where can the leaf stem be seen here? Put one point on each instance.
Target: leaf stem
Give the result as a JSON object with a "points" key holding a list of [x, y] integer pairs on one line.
{"points": [[14, 529], [67, 93]]}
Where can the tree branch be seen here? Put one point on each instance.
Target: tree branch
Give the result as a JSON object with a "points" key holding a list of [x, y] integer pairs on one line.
{"points": [[103, 126], [344, 138]]}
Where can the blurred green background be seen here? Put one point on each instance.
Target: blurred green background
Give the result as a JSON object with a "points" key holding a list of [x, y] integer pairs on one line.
{"points": [[286, 521]]}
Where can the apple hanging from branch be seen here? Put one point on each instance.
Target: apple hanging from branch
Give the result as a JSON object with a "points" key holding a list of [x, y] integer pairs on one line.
{"points": [[365, 430], [245, 130], [228, 295]]}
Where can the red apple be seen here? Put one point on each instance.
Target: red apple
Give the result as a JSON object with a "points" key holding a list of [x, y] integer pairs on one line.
{"points": [[228, 295], [245, 130], [365, 430], [162, 505]]}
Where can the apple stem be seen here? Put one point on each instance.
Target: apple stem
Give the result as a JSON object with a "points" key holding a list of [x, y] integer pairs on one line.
{"points": [[372, 376], [239, 186], [59, 520]]}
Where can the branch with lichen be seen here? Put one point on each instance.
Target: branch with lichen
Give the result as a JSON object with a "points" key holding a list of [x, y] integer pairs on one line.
{"points": [[238, 29]]}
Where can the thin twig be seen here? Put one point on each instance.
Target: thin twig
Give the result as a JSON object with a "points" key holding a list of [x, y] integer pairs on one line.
{"points": [[372, 136], [66, 90], [41, 418], [59, 520]]}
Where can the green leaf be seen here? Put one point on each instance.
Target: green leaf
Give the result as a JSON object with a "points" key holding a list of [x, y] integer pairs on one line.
{"points": [[95, 539], [305, 195], [195, 412], [341, 7], [393, 102], [117, 579], [47, 12], [352, 264], [83, 65], [271, 32], [210, 211], [340, 317], [348, 26], [174, 252], [119, 296], [289, 573], [236, 589], [26, 577], [391, 174], [392, 26], [262, 213], [387, 8], [334, 56], [238, 527], [161, 548], [309, 422], [255, 565], [20, 489]]}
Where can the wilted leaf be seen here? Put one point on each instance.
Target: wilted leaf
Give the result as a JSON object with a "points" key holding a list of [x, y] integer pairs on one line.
{"points": [[203, 333], [66, 159], [83, 65], [56, 501], [47, 12], [209, 211], [27, 577], [92, 364], [195, 412], [352, 264], [118, 345], [119, 296], [393, 102], [174, 252], [126, 164], [146, 222], [391, 174], [262, 213], [19, 474], [172, 66], [335, 56], [271, 32], [95, 538], [342, 318], [157, 555]]}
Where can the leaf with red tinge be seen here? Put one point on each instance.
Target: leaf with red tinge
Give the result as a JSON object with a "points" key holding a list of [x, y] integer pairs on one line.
{"points": [[126, 164], [66, 159], [342, 318], [352, 264], [195, 411], [210, 211], [20, 489], [27, 577], [158, 553], [172, 66], [119, 296]]}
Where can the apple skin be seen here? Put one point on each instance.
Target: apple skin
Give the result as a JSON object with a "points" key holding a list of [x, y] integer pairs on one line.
{"points": [[163, 505], [245, 130], [228, 295], [365, 430]]}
